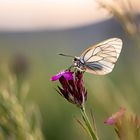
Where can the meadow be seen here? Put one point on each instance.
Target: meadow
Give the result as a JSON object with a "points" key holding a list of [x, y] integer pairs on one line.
{"points": [[106, 94]]}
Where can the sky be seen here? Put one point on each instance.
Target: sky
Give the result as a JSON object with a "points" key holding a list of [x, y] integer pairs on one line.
{"points": [[49, 14]]}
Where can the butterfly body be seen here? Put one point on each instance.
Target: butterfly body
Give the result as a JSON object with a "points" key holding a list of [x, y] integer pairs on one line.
{"points": [[79, 64], [99, 59]]}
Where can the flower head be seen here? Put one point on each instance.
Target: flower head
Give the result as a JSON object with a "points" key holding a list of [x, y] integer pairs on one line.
{"points": [[127, 126], [72, 88], [19, 65], [115, 117]]}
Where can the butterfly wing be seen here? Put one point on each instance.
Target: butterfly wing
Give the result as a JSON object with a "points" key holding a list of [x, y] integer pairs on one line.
{"points": [[101, 58]]}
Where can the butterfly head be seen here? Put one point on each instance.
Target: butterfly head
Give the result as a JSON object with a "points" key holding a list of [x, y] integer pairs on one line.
{"points": [[78, 64]]}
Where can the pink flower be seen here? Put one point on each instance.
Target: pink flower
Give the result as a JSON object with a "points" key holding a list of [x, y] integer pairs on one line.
{"points": [[72, 87], [67, 75], [126, 125], [115, 117]]}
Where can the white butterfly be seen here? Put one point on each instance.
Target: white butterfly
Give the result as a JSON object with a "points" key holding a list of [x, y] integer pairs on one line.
{"points": [[100, 58]]}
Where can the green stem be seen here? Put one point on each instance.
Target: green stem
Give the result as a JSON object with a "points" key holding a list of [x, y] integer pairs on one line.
{"points": [[88, 124]]}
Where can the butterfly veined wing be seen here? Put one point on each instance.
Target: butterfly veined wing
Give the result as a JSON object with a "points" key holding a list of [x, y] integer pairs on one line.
{"points": [[101, 58]]}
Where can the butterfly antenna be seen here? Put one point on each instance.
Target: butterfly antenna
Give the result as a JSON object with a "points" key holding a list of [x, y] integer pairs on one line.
{"points": [[65, 55]]}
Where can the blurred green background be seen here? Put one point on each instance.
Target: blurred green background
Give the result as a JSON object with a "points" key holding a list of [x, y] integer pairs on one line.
{"points": [[105, 93]]}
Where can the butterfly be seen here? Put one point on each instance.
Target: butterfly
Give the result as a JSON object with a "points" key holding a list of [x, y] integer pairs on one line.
{"points": [[99, 59]]}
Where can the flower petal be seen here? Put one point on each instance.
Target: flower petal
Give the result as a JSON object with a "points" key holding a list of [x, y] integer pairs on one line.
{"points": [[115, 117], [67, 75], [110, 121]]}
